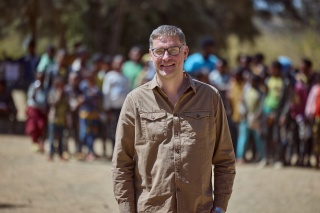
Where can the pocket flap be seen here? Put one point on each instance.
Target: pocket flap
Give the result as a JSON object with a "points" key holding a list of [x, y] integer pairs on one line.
{"points": [[197, 115], [152, 115]]}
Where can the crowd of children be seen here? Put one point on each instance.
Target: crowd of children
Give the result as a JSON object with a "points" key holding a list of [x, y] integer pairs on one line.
{"points": [[273, 110], [73, 95]]}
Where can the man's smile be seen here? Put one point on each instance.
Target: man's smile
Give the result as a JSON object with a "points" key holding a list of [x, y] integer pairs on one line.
{"points": [[166, 65]]}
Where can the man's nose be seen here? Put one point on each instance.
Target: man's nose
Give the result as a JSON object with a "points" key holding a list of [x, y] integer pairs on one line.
{"points": [[166, 55]]}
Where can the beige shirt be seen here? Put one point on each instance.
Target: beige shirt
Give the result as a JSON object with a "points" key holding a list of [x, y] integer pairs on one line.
{"points": [[164, 154]]}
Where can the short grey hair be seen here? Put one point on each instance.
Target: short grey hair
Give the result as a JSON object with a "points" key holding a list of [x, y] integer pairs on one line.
{"points": [[167, 30]]}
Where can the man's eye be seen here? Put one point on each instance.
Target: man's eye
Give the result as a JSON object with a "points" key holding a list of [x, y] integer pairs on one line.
{"points": [[159, 52], [173, 51]]}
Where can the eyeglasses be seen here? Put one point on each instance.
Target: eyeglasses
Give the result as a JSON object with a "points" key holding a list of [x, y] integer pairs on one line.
{"points": [[159, 52]]}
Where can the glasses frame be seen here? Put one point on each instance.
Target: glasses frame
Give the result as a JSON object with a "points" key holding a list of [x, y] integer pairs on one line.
{"points": [[166, 50]]}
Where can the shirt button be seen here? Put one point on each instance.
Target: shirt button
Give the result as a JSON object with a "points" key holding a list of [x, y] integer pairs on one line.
{"points": [[178, 189], [177, 151], [152, 117]]}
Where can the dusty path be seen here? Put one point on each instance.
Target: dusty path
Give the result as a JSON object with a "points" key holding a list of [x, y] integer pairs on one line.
{"points": [[31, 184]]}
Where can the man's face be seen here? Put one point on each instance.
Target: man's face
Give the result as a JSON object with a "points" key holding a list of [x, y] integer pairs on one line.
{"points": [[168, 66]]}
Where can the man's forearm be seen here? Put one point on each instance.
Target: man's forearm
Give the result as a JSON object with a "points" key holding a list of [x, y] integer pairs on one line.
{"points": [[223, 184], [124, 190]]}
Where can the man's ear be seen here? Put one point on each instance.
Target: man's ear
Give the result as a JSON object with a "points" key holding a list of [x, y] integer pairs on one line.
{"points": [[186, 52], [151, 55]]}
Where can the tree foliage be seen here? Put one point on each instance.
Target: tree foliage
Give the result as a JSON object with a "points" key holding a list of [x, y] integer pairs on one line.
{"points": [[304, 12], [113, 26]]}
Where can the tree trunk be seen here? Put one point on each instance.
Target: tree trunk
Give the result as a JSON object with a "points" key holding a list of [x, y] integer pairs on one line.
{"points": [[117, 27], [33, 14]]}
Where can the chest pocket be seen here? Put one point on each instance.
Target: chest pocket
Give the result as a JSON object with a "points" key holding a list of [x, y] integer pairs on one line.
{"points": [[196, 124], [154, 125]]}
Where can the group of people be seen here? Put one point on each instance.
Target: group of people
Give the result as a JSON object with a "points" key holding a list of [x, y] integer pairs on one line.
{"points": [[74, 95], [273, 109], [171, 116]]}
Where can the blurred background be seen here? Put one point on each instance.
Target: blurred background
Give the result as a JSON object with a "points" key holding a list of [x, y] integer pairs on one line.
{"points": [[276, 27], [69, 50]]}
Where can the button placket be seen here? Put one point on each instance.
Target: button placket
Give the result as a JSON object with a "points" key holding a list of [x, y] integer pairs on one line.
{"points": [[177, 157]]}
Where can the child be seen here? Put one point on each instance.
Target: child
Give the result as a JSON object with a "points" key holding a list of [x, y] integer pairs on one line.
{"points": [[74, 95], [57, 118], [251, 111], [233, 103], [37, 109], [8, 109], [275, 86], [312, 112], [89, 115]]}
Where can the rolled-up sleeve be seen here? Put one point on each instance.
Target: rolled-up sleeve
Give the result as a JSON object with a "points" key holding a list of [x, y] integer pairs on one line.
{"points": [[123, 163], [223, 158]]}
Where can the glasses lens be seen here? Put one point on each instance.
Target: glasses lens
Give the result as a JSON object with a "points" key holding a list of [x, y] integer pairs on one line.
{"points": [[158, 52], [173, 50]]}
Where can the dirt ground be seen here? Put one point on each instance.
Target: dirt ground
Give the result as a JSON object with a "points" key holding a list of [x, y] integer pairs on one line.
{"points": [[31, 184]]}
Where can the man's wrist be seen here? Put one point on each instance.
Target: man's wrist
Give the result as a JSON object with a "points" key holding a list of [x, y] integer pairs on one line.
{"points": [[218, 209]]}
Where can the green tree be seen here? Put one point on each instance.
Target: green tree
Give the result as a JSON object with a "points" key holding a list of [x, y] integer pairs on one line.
{"points": [[113, 26]]}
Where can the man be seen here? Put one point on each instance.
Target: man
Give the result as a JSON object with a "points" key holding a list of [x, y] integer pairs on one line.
{"points": [[170, 132]]}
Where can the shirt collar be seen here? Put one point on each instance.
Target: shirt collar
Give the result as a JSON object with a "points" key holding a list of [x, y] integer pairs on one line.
{"points": [[153, 83]]}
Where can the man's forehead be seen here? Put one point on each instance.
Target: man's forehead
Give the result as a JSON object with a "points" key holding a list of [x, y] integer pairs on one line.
{"points": [[167, 40]]}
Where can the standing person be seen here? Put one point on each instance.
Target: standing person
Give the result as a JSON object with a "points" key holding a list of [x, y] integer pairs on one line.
{"points": [[200, 64], [312, 112], [294, 120], [258, 66], [47, 65], [37, 109], [8, 110], [306, 72], [147, 72], [132, 68], [275, 86], [57, 118], [220, 78], [75, 99], [252, 104], [104, 69], [80, 64], [29, 63], [61, 67], [115, 89], [170, 132], [234, 100], [89, 115], [244, 63]]}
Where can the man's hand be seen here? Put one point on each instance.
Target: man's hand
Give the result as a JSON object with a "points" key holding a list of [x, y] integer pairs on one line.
{"points": [[216, 210]]}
